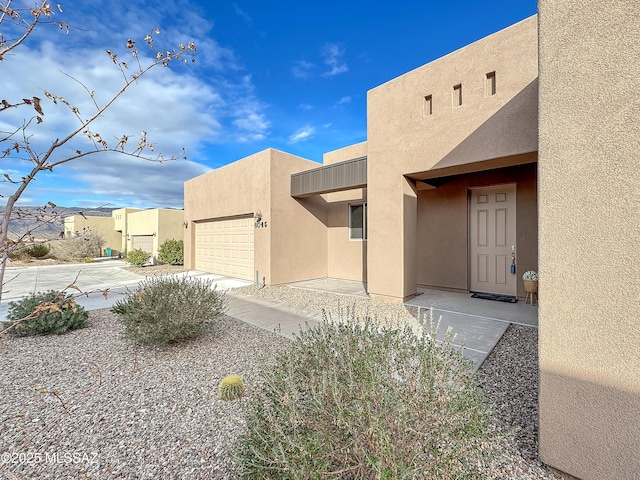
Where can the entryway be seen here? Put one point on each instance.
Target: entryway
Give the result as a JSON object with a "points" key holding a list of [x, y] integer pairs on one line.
{"points": [[492, 240]]}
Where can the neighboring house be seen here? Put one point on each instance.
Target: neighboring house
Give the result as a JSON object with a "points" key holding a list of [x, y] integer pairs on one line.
{"points": [[130, 228], [441, 195], [121, 224], [77, 225], [449, 184], [148, 229]]}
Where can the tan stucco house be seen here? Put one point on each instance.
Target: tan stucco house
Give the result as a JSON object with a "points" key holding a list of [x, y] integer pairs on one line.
{"points": [[393, 212], [130, 228], [148, 229], [519, 149], [77, 225]]}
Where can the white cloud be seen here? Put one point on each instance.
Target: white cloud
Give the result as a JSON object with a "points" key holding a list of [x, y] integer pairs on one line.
{"points": [[344, 101], [302, 134], [176, 109], [250, 121], [302, 69], [241, 13], [333, 57], [125, 180], [305, 107]]}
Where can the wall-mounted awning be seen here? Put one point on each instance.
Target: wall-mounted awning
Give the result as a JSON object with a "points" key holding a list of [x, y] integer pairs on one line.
{"points": [[330, 178]]}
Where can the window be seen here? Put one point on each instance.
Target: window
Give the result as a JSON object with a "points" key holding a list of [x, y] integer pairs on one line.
{"points": [[457, 95], [490, 84], [428, 105], [358, 222]]}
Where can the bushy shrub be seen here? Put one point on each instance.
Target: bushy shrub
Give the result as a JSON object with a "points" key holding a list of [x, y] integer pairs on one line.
{"points": [[76, 249], [138, 257], [169, 309], [231, 387], [54, 313], [38, 250], [20, 256], [353, 400], [172, 252]]}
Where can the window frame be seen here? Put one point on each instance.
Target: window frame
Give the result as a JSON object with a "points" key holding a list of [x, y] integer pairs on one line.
{"points": [[363, 238]]}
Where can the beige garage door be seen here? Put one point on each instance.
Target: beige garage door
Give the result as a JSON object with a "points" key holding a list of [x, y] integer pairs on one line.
{"points": [[226, 247], [143, 242]]}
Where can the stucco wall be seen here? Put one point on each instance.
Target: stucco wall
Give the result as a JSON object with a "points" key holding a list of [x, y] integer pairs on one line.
{"points": [[103, 226], [293, 245], [170, 226], [589, 233], [120, 217], [298, 226], [442, 257], [351, 152], [479, 134], [239, 188], [162, 223], [347, 258]]}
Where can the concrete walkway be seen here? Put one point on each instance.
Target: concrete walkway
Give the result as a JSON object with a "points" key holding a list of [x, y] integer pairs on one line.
{"points": [[478, 324], [269, 315]]}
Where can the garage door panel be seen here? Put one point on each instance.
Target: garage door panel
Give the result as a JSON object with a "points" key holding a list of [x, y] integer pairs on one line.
{"points": [[225, 247], [142, 242]]}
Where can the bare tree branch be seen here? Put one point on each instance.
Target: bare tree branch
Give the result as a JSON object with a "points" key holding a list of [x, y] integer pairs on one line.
{"points": [[22, 149]]}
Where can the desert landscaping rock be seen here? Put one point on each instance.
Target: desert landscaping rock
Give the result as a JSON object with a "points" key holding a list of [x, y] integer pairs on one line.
{"points": [[156, 270], [126, 411], [135, 412]]}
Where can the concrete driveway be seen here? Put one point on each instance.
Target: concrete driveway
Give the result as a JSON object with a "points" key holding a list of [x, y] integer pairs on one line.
{"points": [[91, 278]]}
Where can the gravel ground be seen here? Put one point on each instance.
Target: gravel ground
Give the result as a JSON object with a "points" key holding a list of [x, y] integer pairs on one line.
{"points": [[155, 414], [125, 411], [154, 270], [334, 304], [509, 380]]}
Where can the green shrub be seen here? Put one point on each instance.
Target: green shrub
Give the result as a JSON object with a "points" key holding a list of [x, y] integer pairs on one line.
{"points": [[55, 313], [38, 250], [231, 387], [351, 399], [169, 309], [172, 252], [138, 257]]}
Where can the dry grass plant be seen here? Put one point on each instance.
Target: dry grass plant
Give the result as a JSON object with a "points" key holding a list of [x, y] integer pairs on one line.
{"points": [[352, 399]]}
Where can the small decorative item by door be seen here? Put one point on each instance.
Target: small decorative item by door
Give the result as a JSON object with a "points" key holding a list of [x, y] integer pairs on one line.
{"points": [[530, 280]]}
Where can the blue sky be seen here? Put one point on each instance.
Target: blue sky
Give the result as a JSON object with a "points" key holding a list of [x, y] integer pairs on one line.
{"points": [[286, 75]]}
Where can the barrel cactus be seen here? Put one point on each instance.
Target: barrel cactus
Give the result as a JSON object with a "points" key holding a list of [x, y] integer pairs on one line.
{"points": [[231, 387]]}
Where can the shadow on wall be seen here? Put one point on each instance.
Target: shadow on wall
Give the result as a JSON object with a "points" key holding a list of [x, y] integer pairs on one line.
{"points": [[613, 413], [322, 211], [316, 206], [513, 121]]}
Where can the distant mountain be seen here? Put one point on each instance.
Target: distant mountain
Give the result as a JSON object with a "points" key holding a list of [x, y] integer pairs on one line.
{"points": [[47, 222]]}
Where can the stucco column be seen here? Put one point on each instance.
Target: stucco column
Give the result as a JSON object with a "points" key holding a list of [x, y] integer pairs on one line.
{"points": [[589, 232], [392, 214]]}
